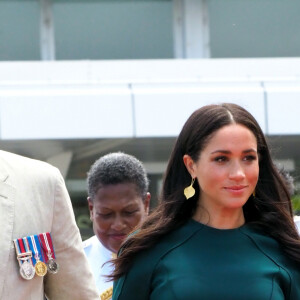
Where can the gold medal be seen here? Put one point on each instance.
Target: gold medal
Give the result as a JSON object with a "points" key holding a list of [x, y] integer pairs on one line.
{"points": [[40, 268], [107, 294]]}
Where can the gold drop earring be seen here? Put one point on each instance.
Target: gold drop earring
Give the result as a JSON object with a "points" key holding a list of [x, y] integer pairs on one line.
{"points": [[189, 191]]}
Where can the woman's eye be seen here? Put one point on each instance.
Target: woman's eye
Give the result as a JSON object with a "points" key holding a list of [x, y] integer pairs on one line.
{"points": [[250, 158], [130, 212], [221, 159], [104, 215]]}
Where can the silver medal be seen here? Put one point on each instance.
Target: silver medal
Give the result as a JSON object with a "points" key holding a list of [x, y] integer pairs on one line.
{"points": [[53, 266], [27, 270]]}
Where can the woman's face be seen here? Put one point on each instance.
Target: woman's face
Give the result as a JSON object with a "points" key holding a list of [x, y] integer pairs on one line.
{"points": [[227, 169], [115, 211]]}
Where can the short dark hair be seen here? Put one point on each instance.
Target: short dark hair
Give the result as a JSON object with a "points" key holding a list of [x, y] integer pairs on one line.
{"points": [[115, 168]]}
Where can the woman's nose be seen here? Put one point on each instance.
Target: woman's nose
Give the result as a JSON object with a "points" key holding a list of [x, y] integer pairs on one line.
{"points": [[236, 172], [118, 223]]}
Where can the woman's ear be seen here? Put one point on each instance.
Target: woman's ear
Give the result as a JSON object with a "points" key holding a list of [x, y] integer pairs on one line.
{"points": [[147, 203], [189, 164], [91, 206]]}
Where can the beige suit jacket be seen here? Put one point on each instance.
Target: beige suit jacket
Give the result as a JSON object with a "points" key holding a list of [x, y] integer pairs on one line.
{"points": [[34, 199]]}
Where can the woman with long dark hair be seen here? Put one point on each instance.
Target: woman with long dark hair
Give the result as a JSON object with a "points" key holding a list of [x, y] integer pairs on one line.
{"points": [[224, 227]]}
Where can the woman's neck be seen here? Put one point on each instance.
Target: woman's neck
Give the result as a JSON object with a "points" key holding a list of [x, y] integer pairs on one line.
{"points": [[221, 219]]}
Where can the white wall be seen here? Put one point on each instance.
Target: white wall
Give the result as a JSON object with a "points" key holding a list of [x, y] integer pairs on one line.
{"points": [[141, 98]]}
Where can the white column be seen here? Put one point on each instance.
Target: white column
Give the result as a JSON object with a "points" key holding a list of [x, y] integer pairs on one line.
{"points": [[191, 29], [47, 41]]}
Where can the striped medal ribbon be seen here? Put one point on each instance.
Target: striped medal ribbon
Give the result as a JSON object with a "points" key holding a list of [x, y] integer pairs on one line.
{"points": [[24, 256], [40, 266], [47, 247]]}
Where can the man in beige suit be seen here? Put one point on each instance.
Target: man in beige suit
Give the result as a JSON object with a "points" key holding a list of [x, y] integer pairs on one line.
{"points": [[34, 200]]}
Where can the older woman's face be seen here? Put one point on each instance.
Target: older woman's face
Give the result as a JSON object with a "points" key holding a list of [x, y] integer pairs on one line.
{"points": [[115, 212]]}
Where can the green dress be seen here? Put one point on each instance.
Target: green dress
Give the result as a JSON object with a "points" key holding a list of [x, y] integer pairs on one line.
{"points": [[200, 262]]}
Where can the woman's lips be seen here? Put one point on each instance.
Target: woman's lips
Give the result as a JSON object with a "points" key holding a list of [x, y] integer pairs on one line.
{"points": [[118, 237], [236, 189]]}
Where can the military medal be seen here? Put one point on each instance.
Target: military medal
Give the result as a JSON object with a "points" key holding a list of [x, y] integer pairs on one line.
{"points": [[40, 266], [107, 294], [52, 265], [27, 271], [24, 256], [35, 255], [47, 246]]}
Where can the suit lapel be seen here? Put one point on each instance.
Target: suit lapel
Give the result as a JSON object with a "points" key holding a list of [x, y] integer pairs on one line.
{"points": [[7, 211]]}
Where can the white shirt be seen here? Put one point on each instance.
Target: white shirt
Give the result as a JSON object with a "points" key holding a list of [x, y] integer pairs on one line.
{"points": [[97, 255], [297, 222]]}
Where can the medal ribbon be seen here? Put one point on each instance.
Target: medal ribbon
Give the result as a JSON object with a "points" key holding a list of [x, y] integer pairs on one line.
{"points": [[27, 249], [17, 247], [49, 239], [20, 248], [36, 248], [32, 249], [47, 245]]}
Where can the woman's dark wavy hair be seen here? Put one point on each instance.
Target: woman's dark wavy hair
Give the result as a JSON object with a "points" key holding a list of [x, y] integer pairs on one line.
{"points": [[270, 209]]}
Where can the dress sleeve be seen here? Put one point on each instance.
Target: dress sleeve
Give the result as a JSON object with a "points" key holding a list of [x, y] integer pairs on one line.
{"points": [[137, 283], [132, 286], [295, 284], [74, 279]]}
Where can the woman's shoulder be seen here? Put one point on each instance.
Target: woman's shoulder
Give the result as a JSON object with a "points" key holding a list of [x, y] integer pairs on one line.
{"points": [[145, 262], [270, 247], [173, 239], [263, 241], [166, 243]]}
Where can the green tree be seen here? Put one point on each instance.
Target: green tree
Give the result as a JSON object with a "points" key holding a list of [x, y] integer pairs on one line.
{"points": [[296, 204]]}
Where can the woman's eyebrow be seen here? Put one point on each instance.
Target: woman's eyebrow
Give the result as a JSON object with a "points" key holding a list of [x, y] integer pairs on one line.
{"points": [[228, 152]]}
